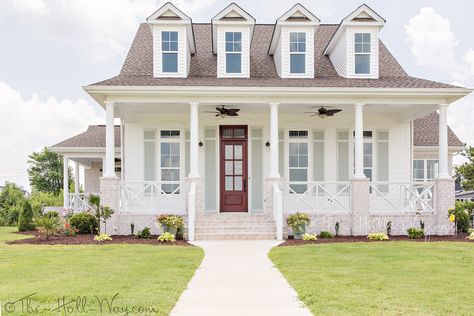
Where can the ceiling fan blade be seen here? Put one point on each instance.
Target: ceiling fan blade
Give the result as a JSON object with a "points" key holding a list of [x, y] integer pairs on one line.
{"points": [[210, 112], [334, 111]]}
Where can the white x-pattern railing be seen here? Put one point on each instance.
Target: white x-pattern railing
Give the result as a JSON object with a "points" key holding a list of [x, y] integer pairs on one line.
{"points": [[317, 197], [391, 197], [153, 196], [79, 202]]}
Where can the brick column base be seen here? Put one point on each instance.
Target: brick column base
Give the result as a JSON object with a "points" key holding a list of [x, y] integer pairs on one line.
{"points": [[360, 206], [444, 199], [109, 197]]}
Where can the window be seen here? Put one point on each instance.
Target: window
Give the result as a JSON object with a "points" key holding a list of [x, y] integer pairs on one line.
{"points": [[297, 52], [233, 49], [170, 160], [342, 156], [318, 155], [368, 151], [425, 169], [169, 48], [362, 53], [149, 155], [298, 161]]}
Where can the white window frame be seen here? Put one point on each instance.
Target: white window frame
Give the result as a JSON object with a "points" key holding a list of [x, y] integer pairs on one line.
{"points": [[297, 52], [372, 141], [169, 51], [363, 53], [425, 170], [233, 52], [155, 141], [308, 140], [181, 141]]}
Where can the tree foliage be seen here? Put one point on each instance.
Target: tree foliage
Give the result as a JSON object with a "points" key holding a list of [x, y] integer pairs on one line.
{"points": [[46, 171], [466, 171], [12, 200]]}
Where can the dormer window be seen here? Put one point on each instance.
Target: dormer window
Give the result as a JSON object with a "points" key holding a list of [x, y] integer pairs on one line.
{"points": [[233, 52], [362, 53], [169, 48], [297, 52]]}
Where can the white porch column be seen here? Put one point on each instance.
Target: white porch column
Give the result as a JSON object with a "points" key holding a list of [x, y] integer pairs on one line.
{"points": [[194, 141], [76, 177], [66, 182], [109, 171], [359, 141], [274, 173], [443, 142]]}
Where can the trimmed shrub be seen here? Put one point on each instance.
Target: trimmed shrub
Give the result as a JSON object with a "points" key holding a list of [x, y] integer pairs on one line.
{"points": [[462, 213], [25, 219], [377, 236], [166, 237], [84, 222], [144, 233], [415, 232], [102, 237], [310, 237], [326, 234]]}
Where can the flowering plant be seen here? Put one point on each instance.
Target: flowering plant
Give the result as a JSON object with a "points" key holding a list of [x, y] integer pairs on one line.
{"points": [[377, 236], [470, 237], [166, 237], [452, 218], [310, 237], [68, 230], [102, 237]]}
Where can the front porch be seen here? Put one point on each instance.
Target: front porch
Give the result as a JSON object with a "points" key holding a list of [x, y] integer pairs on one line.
{"points": [[354, 168]]}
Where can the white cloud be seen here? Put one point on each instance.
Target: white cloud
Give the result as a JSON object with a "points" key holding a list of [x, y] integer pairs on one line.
{"points": [[31, 6], [29, 124], [97, 31], [433, 43]]}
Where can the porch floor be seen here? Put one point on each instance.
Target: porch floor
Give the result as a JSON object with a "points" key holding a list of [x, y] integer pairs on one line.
{"points": [[238, 278]]}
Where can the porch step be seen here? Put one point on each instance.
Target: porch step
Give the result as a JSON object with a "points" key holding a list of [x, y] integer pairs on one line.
{"points": [[220, 226]]}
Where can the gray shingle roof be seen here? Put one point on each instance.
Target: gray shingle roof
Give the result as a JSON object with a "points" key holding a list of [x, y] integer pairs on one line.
{"points": [[425, 132], [94, 136], [138, 67]]}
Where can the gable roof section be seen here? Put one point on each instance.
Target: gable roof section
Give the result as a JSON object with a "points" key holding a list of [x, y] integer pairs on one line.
{"points": [[138, 67], [93, 137], [231, 15], [425, 132], [297, 15], [363, 15]]}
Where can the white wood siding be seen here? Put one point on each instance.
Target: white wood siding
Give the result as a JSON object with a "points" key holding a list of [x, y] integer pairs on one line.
{"points": [[277, 58], [339, 56], [221, 57], [183, 51], [285, 52]]}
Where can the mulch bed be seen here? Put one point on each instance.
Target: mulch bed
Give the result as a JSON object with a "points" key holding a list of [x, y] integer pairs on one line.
{"points": [[342, 239], [89, 240]]}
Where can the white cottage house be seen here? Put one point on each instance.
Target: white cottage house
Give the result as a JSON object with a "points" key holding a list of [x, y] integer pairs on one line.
{"points": [[235, 125]]}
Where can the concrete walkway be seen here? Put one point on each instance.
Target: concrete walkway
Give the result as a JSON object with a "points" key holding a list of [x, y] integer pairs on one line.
{"points": [[237, 278]]}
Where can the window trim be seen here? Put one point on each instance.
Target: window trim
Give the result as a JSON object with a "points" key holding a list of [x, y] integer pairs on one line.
{"points": [[305, 140], [169, 51], [363, 53], [233, 52], [182, 164], [297, 52]]}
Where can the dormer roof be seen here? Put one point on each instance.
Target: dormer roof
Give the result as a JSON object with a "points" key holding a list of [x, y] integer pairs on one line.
{"points": [[362, 16], [168, 14], [231, 15], [298, 15]]}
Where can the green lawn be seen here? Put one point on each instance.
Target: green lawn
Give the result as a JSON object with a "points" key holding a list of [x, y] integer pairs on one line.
{"points": [[143, 275], [392, 278]]}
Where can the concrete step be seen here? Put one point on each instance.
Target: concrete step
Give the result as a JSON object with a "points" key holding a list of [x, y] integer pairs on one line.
{"points": [[240, 236]]}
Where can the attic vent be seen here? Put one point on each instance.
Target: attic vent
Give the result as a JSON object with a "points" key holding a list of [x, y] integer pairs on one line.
{"points": [[233, 15], [363, 16], [170, 15], [298, 16]]}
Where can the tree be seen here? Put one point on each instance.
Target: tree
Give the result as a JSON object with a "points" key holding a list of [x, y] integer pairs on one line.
{"points": [[466, 171], [12, 200], [46, 171], [25, 219]]}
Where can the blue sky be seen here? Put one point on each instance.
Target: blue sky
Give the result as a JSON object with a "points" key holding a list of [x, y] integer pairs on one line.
{"points": [[51, 48]]}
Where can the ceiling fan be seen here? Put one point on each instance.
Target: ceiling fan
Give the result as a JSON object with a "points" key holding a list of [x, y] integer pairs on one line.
{"points": [[322, 112], [223, 112]]}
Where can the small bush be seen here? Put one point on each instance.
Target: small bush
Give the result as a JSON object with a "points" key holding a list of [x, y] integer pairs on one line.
{"points": [[470, 237], [389, 228], [68, 230], [310, 237], [326, 234], [144, 233], [47, 226], [132, 229], [102, 237], [166, 237], [171, 221], [25, 219], [414, 232], [462, 215], [336, 228], [298, 222], [377, 236], [86, 223]]}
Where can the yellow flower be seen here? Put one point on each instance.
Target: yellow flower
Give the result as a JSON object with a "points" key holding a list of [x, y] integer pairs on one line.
{"points": [[452, 218]]}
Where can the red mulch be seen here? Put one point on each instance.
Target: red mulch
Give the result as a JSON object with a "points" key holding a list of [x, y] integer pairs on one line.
{"points": [[89, 240], [341, 239]]}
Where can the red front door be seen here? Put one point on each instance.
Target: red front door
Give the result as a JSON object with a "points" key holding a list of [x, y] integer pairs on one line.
{"points": [[233, 168]]}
